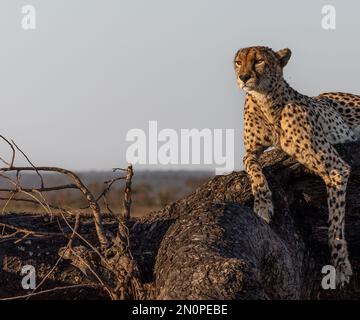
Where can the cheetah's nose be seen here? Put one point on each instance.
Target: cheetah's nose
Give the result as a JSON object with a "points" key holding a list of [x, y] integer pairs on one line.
{"points": [[245, 77]]}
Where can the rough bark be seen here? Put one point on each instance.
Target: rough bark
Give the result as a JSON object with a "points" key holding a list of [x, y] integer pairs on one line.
{"points": [[214, 247], [210, 245]]}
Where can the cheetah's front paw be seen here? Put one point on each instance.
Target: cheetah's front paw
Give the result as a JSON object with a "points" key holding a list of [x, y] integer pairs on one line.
{"points": [[263, 206], [343, 273]]}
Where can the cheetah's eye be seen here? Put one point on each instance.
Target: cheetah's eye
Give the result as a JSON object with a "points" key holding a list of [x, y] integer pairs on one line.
{"points": [[238, 64], [259, 61]]}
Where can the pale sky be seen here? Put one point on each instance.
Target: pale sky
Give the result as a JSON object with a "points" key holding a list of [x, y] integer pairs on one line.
{"points": [[94, 69]]}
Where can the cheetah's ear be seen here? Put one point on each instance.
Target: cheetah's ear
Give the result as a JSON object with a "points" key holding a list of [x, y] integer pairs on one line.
{"points": [[284, 56]]}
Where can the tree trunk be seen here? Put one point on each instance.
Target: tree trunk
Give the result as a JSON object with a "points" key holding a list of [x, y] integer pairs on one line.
{"points": [[215, 247]]}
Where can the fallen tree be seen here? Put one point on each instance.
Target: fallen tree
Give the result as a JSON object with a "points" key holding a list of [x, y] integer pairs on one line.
{"points": [[208, 245]]}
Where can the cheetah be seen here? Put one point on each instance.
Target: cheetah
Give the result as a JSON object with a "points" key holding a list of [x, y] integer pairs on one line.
{"points": [[306, 128]]}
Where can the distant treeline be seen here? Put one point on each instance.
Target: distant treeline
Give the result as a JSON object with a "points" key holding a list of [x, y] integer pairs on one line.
{"points": [[151, 190]]}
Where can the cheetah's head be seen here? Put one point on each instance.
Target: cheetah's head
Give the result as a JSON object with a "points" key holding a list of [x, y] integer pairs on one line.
{"points": [[260, 68]]}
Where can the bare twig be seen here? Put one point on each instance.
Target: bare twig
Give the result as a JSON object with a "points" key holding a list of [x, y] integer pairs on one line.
{"points": [[28, 160], [27, 231], [55, 188], [127, 193], [11, 164]]}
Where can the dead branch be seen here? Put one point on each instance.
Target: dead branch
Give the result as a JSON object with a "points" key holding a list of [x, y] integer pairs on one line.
{"points": [[42, 189], [112, 264], [79, 184], [127, 193], [13, 152]]}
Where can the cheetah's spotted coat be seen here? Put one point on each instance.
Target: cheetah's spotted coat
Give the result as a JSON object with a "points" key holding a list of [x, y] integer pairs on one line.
{"points": [[306, 128]]}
